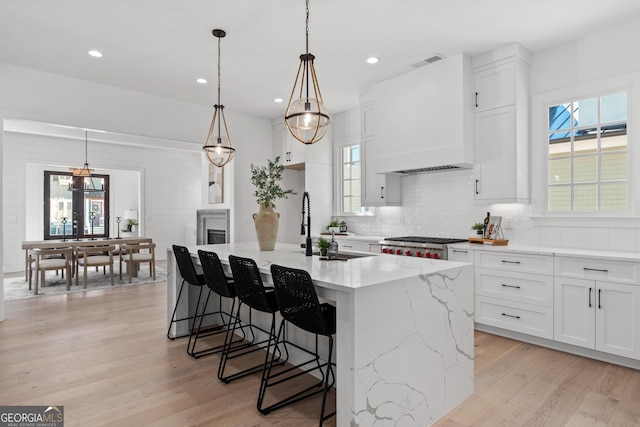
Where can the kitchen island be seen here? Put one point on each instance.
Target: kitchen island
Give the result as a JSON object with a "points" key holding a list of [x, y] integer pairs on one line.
{"points": [[404, 346]]}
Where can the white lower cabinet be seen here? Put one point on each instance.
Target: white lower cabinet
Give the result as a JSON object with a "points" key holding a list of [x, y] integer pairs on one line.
{"points": [[598, 315], [514, 291]]}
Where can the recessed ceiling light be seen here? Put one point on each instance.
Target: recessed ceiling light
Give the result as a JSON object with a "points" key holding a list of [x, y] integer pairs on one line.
{"points": [[277, 100], [95, 53], [372, 60], [201, 81]]}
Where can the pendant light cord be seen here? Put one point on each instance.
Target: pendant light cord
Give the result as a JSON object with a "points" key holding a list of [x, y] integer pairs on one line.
{"points": [[306, 63], [220, 105]]}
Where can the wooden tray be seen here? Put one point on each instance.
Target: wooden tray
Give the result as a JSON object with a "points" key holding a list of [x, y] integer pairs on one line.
{"points": [[492, 242]]}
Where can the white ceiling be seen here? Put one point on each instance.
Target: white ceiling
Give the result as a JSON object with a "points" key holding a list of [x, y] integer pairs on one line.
{"points": [[162, 46]]}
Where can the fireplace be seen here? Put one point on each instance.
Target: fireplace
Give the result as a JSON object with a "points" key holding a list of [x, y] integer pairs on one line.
{"points": [[212, 226]]}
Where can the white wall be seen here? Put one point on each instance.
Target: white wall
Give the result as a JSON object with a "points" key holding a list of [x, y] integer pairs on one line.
{"points": [[441, 204], [176, 191]]}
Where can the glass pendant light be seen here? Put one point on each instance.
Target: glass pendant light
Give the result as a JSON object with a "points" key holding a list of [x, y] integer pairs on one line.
{"points": [[306, 116], [218, 148]]}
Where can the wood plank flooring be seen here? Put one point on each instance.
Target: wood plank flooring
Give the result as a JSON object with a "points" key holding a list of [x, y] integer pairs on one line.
{"points": [[105, 357]]}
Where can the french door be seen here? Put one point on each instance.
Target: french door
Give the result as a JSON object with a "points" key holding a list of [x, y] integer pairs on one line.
{"points": [[75, 206]]}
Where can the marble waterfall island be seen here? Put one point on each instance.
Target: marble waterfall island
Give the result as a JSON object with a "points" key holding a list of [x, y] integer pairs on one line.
{"points": [[404, 346]]}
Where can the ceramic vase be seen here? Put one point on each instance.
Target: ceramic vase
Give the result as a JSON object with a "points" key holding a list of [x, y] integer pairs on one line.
{"points": [[266, 222]]}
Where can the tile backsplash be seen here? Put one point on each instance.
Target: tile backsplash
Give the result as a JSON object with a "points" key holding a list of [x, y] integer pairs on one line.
{"points": [[441, 204]]}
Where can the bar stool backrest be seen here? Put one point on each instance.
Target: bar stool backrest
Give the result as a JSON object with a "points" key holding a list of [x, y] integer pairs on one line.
{"points": [[249, 286], [185, 265], [297, 299], [214, 275]]}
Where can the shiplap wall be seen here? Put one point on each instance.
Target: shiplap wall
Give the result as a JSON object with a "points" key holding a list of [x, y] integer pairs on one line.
{"points": [[170, 187]]}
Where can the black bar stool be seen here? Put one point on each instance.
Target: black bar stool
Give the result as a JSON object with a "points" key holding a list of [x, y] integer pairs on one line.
{"points": [[189, 275], [252, 292], [299, 305], [218, 283]]}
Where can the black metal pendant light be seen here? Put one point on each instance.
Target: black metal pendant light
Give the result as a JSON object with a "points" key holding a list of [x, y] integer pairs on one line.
{"points": [[218, 148], [306, 116], [84, 172]]}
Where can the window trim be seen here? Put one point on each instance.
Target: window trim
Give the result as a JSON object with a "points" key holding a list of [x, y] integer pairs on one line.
{"points": [[539, 143], [337, 161]]}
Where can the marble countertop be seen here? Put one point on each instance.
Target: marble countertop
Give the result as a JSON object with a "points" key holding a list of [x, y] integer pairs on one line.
{"points": [[550, 250], [340, 275]]}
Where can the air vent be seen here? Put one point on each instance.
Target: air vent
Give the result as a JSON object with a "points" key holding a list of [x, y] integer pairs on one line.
{"points": [[430, 169], [435, 58]]}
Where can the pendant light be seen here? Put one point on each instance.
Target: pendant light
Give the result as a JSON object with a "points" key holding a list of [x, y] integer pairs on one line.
{"points": [[218, 147], [84, 172], [306, 117]]}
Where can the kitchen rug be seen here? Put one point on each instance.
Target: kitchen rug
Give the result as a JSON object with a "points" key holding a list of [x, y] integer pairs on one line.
{"points": [[18, 288]]}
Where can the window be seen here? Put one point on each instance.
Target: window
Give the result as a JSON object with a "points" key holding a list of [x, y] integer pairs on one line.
{"points": [[351, 179], [587, 155], [70, 200]]}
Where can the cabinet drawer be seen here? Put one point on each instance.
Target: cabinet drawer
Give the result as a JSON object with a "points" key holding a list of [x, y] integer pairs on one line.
{"points": [[461, 255], [514, 316], [594, 269], [521, 287], [541, 264]]}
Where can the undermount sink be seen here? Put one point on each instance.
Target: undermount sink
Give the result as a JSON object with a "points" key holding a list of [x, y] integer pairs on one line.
{"points": [[344, 255]]}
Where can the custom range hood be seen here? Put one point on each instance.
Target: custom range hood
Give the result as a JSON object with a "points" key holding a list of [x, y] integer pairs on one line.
{"points": [[425, 119]]}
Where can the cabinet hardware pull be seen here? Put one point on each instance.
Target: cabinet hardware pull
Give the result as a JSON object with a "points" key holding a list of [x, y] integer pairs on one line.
{"points": [[477, 182], [510, 286], [381, 191], [590, 297], [459, 251], [476, 99], [510, 262], [509, 315], [595, 269], [599, 298]]}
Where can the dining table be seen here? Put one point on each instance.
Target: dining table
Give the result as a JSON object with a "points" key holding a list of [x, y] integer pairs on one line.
{"points": [[30, 245]]}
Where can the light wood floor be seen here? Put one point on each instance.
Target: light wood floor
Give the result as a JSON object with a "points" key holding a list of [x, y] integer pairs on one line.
{"points": [[105, 357]]}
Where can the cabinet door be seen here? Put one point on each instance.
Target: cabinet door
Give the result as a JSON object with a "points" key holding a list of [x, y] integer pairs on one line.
{"points": [[617, 308], [574, 311], [462, 255], [377, 189], [495, 155], [495, 87]]}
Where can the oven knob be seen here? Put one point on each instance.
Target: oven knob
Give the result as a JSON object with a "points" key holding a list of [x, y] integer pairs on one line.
{"points": [[427, 255], [435, 256], [419, 254], [384, 250], [408, 253], [398, 251]]}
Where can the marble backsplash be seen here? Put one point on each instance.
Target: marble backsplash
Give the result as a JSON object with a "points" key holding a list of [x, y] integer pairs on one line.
{"points": [[441, 204]]}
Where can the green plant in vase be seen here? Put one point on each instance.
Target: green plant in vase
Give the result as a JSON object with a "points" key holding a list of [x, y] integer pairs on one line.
{"points": [[479, 227], [267, 180], [334, 226], [323, 245]]}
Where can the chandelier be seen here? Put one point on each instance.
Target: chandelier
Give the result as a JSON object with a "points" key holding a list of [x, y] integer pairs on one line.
{"points": [[84, 174]]}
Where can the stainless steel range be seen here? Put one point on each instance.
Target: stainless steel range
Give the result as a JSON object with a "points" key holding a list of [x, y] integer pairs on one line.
{"points": [[417, 246]]}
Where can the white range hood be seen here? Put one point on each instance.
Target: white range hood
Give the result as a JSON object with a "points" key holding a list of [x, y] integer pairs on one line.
{"points": [[425, 118]]}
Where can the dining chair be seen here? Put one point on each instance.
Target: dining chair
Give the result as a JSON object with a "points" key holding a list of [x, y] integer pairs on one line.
{"points": [[135, 254], [94, 256], [51, 259]]}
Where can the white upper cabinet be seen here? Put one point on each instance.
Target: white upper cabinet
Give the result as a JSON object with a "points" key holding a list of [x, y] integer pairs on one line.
{"points": [[377, 189], [294, 154], [424, 118], [501, 161], [495, 87]]}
